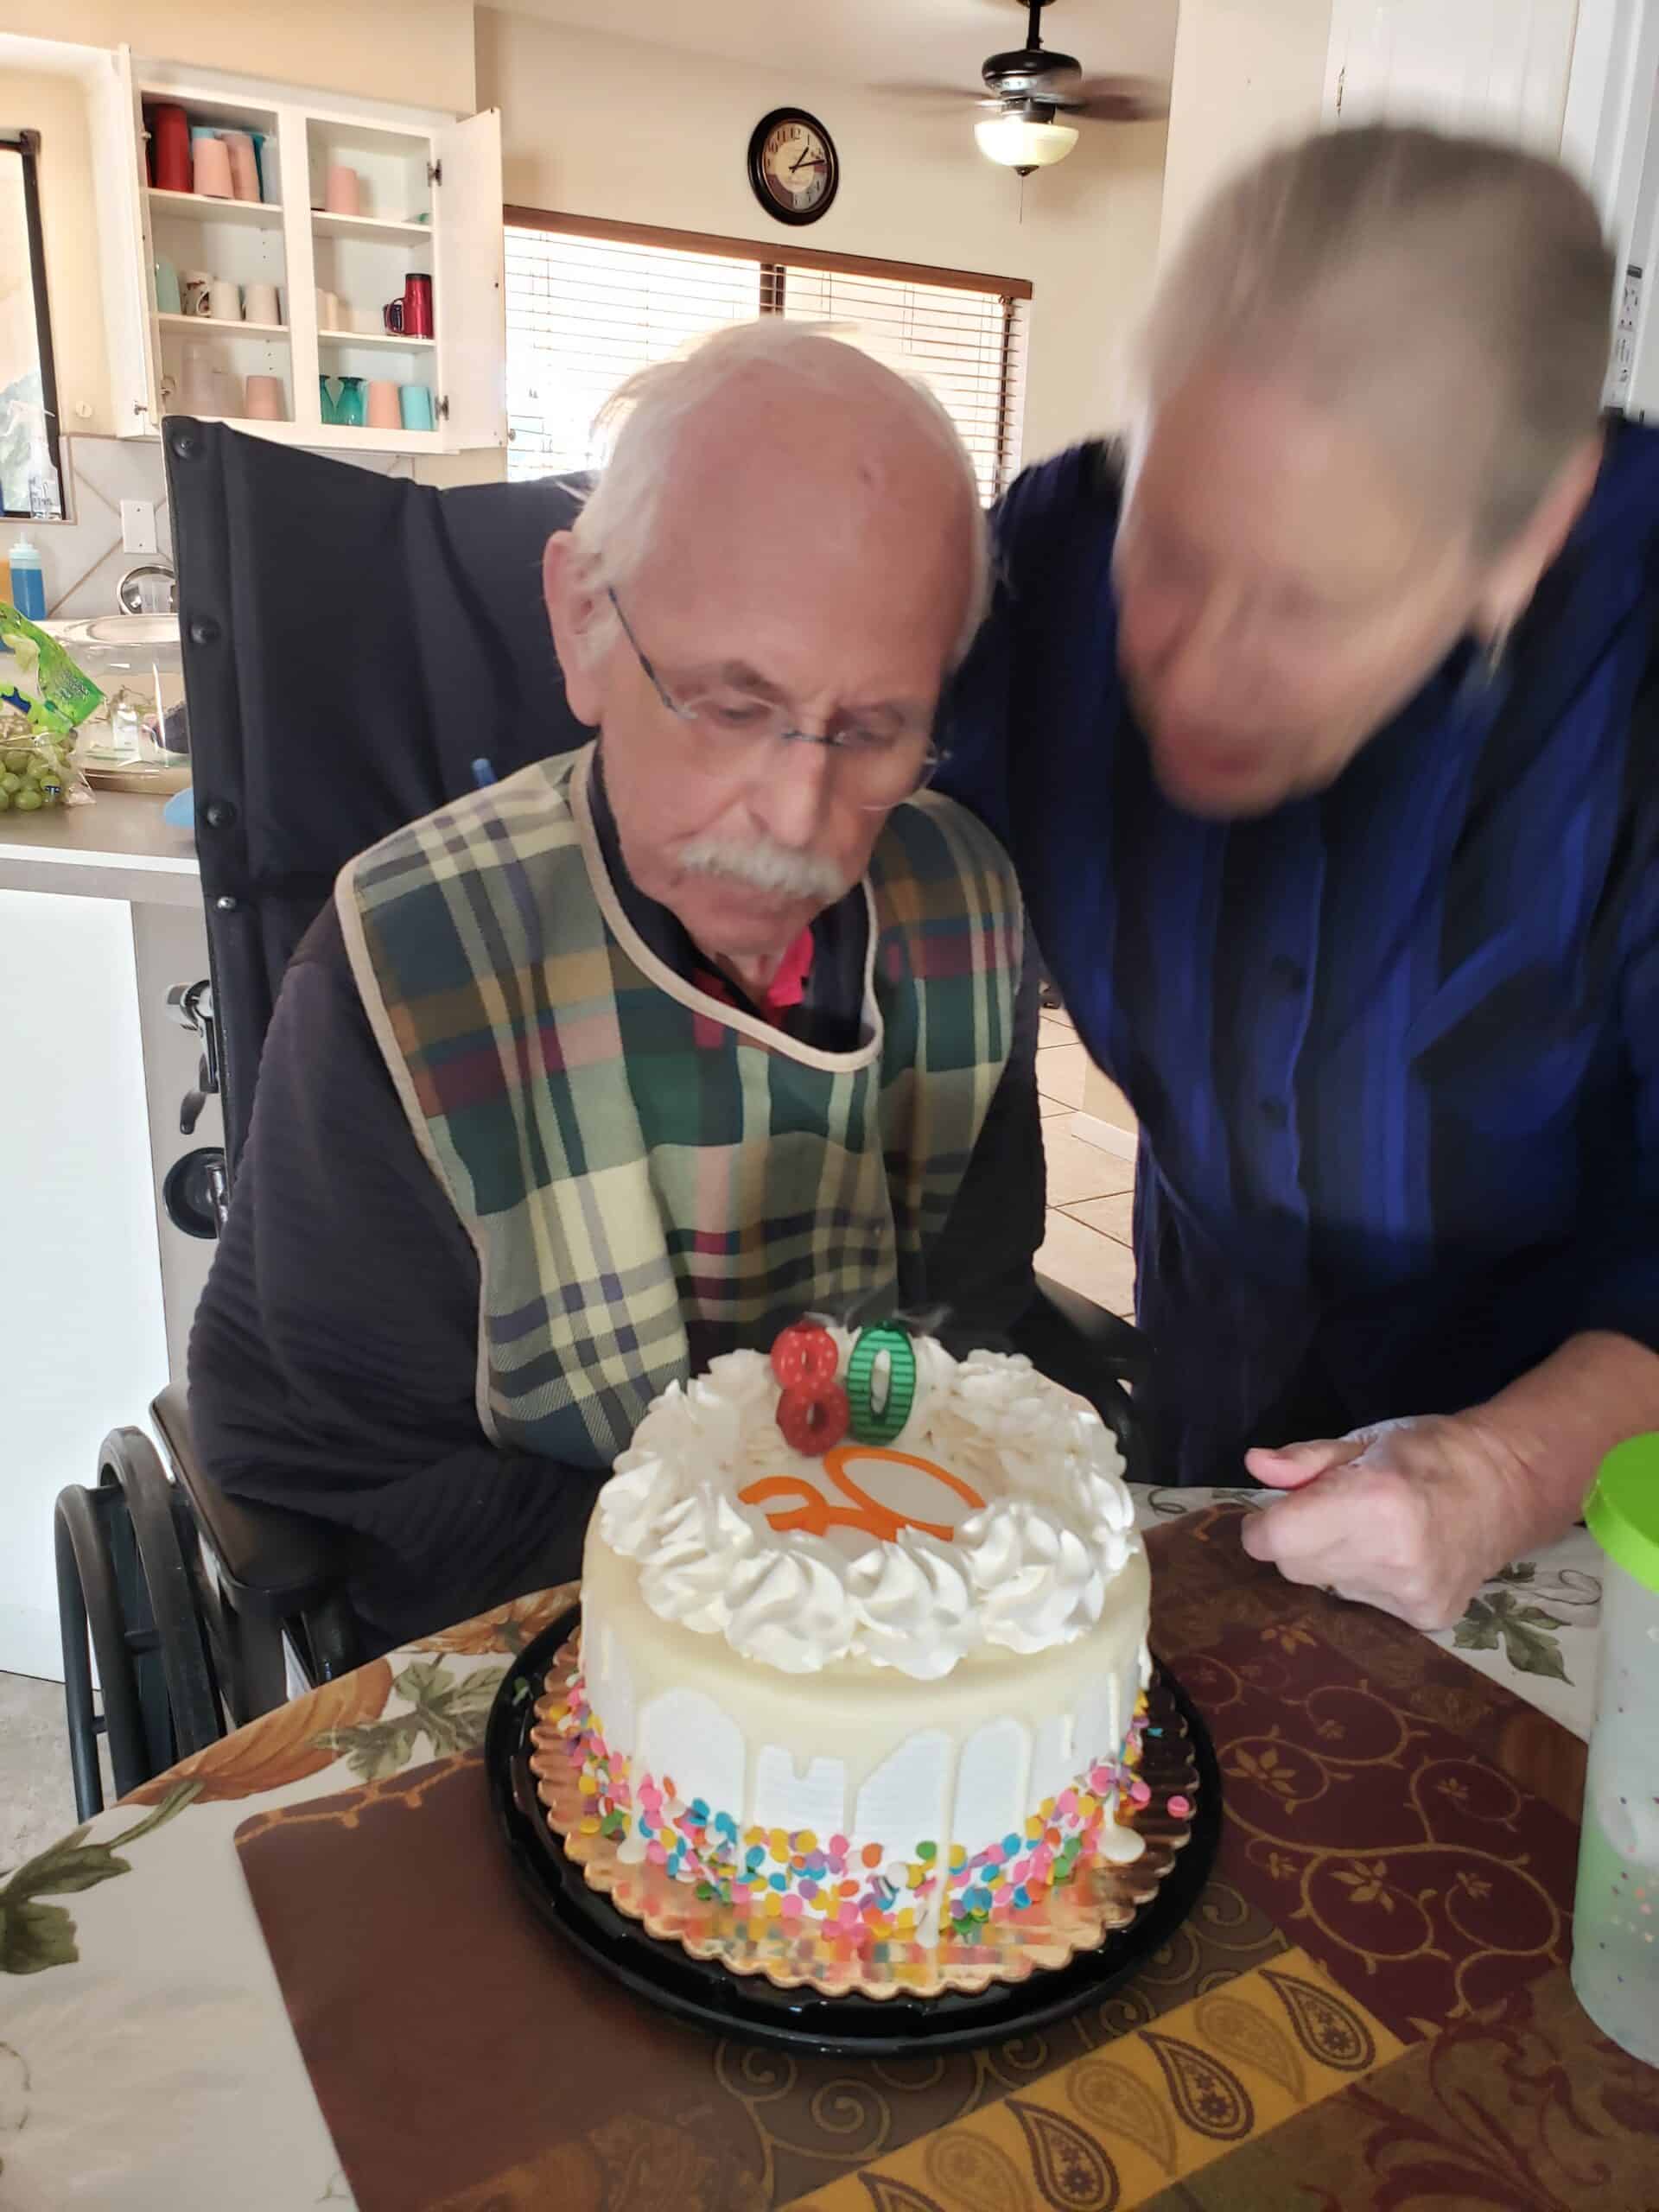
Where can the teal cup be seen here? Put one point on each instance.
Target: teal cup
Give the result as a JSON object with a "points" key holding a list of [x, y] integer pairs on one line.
{"points": [[167, 286], [415, 404], [349, 407]]}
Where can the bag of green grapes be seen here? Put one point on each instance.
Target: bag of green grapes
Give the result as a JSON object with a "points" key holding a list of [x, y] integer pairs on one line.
{"points": [[43, 700], [38, 772]]}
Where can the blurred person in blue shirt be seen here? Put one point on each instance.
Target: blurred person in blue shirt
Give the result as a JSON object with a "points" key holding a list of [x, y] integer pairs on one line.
{"points": [[1322, 721]]}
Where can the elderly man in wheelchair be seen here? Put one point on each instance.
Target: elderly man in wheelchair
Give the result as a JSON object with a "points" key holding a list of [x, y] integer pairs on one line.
{"points": [[628, 1059]]}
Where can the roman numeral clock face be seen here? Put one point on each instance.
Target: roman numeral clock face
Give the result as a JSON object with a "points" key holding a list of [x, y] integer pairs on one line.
{"points": [[792, 165]]}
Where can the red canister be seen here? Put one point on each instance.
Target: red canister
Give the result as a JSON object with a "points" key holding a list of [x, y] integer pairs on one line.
{"points": [[418, 308], [169, 142]]}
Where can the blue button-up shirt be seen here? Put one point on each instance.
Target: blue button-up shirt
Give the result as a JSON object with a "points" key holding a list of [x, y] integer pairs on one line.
{"points": [[1394, 1048]]}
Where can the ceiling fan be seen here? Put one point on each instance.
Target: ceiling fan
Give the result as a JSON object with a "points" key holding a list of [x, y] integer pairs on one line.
{"points": [[1035, 97]]}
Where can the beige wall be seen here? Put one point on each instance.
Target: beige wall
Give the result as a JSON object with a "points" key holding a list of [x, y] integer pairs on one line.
{"points": [[594, 125], [416, 51], [1246, 72], [56, 107]]}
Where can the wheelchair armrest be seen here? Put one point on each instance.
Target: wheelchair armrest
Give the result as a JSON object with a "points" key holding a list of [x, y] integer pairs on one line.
{"points": [[274, 1564], [1077, 1344], [1115, 1343]]}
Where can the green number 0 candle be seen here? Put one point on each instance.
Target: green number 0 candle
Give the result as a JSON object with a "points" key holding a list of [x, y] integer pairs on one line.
{"points": [[885, 1341]]}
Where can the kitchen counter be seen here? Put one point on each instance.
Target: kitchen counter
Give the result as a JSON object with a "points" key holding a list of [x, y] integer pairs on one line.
{"points": [[117, 847]]}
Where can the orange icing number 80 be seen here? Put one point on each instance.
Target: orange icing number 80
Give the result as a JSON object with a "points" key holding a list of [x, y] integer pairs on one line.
{"points": [[815, 1515]]}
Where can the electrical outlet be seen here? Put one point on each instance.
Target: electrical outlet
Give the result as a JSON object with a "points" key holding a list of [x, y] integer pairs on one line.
{"points": [[138, 525]]}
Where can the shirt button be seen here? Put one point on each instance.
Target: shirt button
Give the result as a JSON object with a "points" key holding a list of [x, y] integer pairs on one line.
{"points": [[1288, 974], [1275, 1112]]}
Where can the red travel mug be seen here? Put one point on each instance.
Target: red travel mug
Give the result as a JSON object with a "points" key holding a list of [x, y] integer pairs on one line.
{"points": [[418, 308], [169, 139]]}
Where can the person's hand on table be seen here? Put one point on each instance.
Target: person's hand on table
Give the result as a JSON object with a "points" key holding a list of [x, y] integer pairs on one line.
{"points": [[1409, 1515], [1413, 1516]]}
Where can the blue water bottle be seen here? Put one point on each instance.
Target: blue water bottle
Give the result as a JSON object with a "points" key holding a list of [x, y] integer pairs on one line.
{"points": [[28, 581]]}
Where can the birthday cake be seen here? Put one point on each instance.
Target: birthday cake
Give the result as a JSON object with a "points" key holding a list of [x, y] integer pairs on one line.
{"points": [[863, 1640]]}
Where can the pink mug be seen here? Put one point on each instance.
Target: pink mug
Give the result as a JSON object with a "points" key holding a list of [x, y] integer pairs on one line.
{"points": [[245, 171], [264, 401], [344, 195], [212, 169], [385, 410]]}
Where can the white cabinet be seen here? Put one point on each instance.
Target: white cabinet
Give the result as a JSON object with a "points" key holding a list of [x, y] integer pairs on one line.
{"points": [[80, 1277], [1495, 66], [429, 190]]}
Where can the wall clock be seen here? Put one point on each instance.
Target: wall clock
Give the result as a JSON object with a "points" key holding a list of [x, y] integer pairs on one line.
{"points": [[792, 165]]}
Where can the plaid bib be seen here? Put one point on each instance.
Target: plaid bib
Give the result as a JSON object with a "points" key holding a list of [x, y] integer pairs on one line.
{"points": [[639, 1166]]}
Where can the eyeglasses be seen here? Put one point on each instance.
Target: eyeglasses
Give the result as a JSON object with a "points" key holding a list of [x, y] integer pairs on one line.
{"points": [[734, 731]]}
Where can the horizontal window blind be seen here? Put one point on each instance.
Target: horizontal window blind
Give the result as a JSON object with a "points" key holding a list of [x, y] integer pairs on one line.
{"points": [[960, 345], [588, 306]]}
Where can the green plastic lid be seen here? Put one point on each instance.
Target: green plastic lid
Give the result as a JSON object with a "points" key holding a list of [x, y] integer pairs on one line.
{"points": [[1623, 1508]]}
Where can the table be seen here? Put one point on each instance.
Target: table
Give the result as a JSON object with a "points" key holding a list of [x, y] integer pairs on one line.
{"points": [[1356, 1952]]}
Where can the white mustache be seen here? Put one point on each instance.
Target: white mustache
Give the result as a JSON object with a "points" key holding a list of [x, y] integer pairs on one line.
{"points": [[764, 865]]}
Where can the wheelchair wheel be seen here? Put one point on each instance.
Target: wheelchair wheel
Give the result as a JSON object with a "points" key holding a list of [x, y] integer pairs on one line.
{"points": [[130, 1595]]}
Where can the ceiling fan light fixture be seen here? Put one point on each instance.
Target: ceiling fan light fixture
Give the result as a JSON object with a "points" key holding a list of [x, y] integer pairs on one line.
{"points": [[1019, 143]]}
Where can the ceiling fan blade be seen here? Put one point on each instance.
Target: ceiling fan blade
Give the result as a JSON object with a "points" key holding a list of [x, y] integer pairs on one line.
{"points": [[928, 95], [1120, 99]]}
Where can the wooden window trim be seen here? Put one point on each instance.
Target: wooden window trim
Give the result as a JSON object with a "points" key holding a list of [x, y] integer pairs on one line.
{"points": [[769, 253]]}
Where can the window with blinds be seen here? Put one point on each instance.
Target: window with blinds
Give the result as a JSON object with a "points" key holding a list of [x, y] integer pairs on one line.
{"points": [[589, 302]]}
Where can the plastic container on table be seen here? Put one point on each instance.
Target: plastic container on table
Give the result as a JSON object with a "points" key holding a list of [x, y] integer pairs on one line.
{"points": [[1616, 1915]]}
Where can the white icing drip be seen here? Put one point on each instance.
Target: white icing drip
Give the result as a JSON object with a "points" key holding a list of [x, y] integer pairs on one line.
{"points": [[1028, 1570]]}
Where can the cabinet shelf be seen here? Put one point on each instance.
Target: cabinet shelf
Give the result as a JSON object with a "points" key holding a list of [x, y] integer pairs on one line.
{"points": [[198, 207], [394, 339], [327, 226], [219, 326]]}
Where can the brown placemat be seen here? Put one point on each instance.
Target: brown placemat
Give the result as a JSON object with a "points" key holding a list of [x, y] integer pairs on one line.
{"points": [[464, 2058]]}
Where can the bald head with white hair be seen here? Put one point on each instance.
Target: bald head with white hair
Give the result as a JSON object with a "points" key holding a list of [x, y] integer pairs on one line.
{"points": [[782, 521]]}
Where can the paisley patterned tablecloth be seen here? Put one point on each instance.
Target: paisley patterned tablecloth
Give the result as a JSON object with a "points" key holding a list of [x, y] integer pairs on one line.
{"points": [[1369, 2007]]}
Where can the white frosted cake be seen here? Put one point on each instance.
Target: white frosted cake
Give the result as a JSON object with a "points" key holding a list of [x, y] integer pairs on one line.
{"points": [[886, 1688]]}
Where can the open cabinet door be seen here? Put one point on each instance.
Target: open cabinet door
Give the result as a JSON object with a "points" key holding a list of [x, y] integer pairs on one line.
{"points": [[471, 284], [127, 255]]}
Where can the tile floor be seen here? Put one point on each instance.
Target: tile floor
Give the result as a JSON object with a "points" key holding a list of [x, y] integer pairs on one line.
{"points": [[1090, 1192], [37, 1800], [1087, 1249]]}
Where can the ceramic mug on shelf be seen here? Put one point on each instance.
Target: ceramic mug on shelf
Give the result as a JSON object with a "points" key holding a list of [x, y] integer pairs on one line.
{"points": [[225, 300], [212, 169], [245, 173], [415, 403], [194, 285], [168, 300], [265, 399], [328, 310], [383, 412], [344, 194], [261, 304]]}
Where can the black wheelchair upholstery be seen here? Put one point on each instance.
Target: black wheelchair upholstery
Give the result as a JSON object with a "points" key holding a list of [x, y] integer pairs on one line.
{"points": [[353, 644]]}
